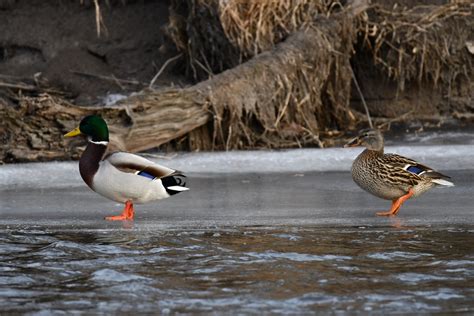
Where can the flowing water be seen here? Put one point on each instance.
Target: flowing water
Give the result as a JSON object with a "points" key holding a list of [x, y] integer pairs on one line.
{"points": [[240, 241], [238, 270]]}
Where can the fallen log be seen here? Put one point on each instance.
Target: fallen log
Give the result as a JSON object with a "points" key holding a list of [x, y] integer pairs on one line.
{"points": [[33, 131], [281, 97]]}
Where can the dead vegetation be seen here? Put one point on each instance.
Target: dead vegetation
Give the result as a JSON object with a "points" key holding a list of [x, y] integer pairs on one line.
{"points": [[426, 43], [276, 74], [217, 35], [255, 26]]}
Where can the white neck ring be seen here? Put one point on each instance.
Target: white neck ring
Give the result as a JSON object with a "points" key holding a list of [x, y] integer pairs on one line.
{"points": [[99, 143]]}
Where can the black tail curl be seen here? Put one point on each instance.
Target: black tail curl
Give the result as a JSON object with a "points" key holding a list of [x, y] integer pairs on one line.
{"points": [[175, 179]]}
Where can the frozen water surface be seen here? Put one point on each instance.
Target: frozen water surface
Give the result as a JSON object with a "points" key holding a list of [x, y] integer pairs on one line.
{"points": [[281, 232], [66, 175]]}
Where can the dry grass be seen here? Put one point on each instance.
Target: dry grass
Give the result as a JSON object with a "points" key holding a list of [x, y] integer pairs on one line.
{"points": [[424, 43], [216, 35], [255, 26]]}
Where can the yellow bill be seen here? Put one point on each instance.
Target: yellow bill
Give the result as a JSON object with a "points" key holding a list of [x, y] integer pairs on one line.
{"points": [[74, 132]]}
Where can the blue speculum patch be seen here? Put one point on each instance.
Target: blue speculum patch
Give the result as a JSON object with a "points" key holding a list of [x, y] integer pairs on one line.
{"points": [[146, 175], [414, 170]]}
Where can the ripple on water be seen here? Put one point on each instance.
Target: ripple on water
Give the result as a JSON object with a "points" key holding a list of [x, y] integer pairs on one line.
{"points": [[414, 278], [114, 261], [17, 280], [294, 256], [135, 288], [441, 294], [397, 303], [386, 297], [12, 248], [238, 271], [109, 275], [409, 305], [159, 250], [94, 248], [290, 237], [397, 255], [201, 304], [249, 304], [456, 263]]}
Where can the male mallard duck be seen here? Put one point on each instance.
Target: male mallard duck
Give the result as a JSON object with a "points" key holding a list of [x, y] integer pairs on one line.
{"points": [[120, 176], [390, 176]]}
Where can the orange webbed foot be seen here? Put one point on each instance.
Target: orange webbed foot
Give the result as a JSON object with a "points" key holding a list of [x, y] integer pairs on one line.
{"points": [[396, 204], [127, 214], [118, 218], [389, 213]]}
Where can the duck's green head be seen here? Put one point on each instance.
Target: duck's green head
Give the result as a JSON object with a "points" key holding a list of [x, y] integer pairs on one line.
{"points": [[94, 127], [372, 139]]}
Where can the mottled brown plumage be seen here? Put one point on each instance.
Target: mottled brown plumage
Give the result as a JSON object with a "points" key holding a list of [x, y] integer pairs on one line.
{"points": [[390, 176]]}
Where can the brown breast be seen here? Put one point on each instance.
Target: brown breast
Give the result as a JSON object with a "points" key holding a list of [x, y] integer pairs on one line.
{"points": [[89, 162]]}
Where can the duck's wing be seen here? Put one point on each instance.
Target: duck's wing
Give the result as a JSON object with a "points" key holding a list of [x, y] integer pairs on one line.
{"points": [[412, 168], [127, 162]]}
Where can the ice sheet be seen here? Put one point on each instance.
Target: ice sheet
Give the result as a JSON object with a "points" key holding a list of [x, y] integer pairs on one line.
{"points": [[66, 174]]}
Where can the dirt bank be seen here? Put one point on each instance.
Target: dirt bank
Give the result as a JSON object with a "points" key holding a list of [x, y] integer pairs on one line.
{"points": [[57, 44]]}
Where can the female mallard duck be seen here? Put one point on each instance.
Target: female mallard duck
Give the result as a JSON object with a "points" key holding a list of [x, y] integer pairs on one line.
{"points": [[390, 176], [120, 176]]}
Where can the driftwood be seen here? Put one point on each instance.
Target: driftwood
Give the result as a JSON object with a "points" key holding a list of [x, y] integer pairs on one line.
{"points": [[34, 131], [239, 103]]}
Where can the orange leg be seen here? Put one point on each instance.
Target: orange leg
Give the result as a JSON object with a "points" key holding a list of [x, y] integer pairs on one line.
{"points": [[127, 213], [396, 204]]}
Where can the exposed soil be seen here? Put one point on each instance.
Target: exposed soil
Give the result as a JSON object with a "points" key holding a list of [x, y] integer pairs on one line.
{"points": [[56, 42], [416, 101]]}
